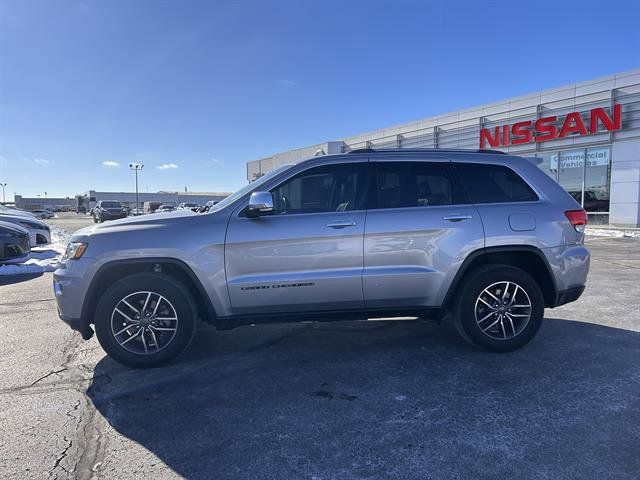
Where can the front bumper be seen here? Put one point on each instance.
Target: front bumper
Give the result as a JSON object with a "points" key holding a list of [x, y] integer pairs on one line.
{"points": [[70, 285], [78, 325], [112, 216]]}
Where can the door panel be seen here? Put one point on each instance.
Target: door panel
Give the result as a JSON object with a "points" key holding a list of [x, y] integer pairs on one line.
{"points": [[295, 262], [412, 253], [308, 255]]}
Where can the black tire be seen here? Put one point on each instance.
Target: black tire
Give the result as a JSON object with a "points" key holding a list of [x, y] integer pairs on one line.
{"points": [[180, 300], [95, 220], [464, 312]]}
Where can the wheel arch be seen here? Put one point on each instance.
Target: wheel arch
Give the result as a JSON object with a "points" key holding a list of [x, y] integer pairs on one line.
{"points": [[114, 270], [526, 257]]}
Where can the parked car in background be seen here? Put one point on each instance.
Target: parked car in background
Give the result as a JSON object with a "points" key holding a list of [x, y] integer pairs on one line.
{"points": [[108, 210], [188, 206], [483, 238], [14, 211], [136, 211], [165, 207], [151, 207], [14, 243], [39, 231], [206, 207], [42, 214]]}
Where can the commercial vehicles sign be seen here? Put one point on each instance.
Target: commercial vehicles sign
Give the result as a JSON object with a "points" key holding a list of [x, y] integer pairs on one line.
{"points": [[546, 128], [595, 157]]}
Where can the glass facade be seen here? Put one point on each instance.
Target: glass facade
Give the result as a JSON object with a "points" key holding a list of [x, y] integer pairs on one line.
{"points": [[585, 173]]}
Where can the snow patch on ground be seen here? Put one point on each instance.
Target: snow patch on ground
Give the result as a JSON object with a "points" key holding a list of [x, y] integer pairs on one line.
{"points": [[41, 259], [604, 232]]}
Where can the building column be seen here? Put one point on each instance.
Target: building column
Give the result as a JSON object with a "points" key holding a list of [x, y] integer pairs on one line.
{"points": [[624, 204]]}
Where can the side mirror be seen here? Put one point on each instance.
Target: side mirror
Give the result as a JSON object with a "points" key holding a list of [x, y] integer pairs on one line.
{"points": [[260, 203]]}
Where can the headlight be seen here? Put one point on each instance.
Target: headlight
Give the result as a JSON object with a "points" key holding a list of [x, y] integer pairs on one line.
{"points": [[75, 250]]}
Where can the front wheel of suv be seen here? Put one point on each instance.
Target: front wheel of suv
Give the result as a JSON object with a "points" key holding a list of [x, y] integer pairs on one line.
{"points": [[145, 320], [500, 308]]}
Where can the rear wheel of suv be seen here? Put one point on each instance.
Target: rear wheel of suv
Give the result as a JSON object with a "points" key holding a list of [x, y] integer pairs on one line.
{"points": [[500, 308], [145, 320]]}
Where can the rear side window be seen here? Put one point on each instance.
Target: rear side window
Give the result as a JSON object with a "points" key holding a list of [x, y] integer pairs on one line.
{"points": [[412, 184], [494, 184]]}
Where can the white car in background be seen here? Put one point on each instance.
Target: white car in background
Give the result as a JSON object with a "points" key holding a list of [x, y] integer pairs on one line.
{"points": [[39, 231], [187, 206], [42, 214]]}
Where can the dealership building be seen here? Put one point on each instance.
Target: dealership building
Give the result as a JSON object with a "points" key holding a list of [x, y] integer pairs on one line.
{"points": [[586, 136]]}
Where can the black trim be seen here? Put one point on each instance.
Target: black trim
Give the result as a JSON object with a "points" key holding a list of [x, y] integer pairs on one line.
{"points": [[567, 296], [489, 250], [425, 150], [78, 325], [211, 313], [232, 321]]}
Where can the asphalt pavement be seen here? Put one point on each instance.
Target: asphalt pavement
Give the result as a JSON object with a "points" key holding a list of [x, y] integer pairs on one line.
{"points": [[349, 400]]}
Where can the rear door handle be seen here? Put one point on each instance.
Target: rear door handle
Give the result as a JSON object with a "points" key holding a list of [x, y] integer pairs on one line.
{"points": [[340, 224], [457, 217]]}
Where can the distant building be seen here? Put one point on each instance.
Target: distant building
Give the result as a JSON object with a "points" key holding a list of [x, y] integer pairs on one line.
{"points": [[41, 203], [87, 200]]}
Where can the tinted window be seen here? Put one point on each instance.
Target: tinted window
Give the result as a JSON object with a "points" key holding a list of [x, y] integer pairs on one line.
{"points": [[412, 184], [494, 184], [329, 188], [110, 204]]}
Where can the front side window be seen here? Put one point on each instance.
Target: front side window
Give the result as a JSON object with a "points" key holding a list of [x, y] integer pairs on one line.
{"points": [[488, 183], [328, 188], [412, 184]]}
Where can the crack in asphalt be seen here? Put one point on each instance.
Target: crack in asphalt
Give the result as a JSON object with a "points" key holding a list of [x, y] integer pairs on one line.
{"points": [[21, 304], [62, 456], [54, 372], [85, 447]]}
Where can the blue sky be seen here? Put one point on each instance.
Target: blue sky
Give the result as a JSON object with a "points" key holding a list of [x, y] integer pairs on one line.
{"points": [[195, 89]]}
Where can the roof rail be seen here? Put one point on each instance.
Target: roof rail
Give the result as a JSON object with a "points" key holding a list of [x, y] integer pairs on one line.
{"points": [[437, 150]]}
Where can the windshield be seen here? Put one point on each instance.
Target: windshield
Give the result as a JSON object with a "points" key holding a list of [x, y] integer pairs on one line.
{"points": [[247, 188], [110, 205]]}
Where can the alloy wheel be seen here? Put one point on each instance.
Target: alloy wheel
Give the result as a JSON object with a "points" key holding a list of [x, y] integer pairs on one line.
{"points": [[144, 322], [503, 310]]}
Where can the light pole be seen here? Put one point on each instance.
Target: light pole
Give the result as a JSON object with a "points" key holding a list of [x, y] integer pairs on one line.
{"points": [[136, 167], [3, 185]]}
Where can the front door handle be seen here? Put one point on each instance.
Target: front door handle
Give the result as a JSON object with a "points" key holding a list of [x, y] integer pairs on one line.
{"points": [[340, 224], [457, 217]]}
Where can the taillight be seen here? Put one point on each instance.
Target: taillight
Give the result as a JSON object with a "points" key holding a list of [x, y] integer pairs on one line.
{"points": [[578, 219]]}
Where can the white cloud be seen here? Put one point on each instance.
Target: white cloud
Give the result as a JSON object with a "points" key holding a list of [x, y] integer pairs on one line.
{"points": [[41, 161], [215, 160], [110, 163], [167, 166], [291, 83]]}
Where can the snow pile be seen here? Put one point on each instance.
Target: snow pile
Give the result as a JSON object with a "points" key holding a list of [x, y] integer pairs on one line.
{"points": [[41, 259], [605, 232]]}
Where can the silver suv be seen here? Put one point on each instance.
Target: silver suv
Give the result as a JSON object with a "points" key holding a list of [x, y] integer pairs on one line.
{"points": [[487, 237]]}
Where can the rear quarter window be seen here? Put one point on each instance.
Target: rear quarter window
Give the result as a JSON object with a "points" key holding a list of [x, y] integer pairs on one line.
{"points": [[487, 183]]}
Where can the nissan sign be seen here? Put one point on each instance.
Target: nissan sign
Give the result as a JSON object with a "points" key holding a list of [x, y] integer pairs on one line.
{"points": [[546, 128]]}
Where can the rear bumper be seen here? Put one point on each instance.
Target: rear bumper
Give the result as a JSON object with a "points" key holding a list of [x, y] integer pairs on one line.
{"points": [[567, 296]]}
